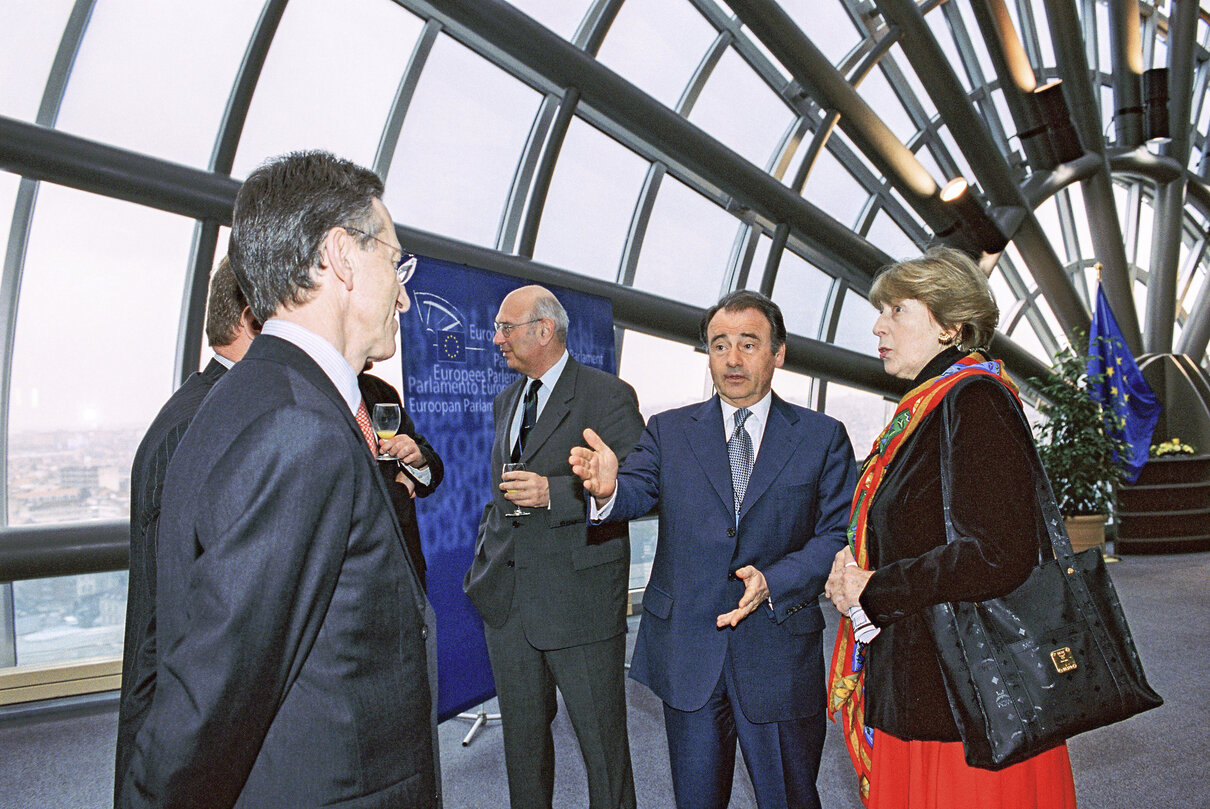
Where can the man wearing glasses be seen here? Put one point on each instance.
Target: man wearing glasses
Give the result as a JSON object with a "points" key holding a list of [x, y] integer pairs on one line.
{"points": [[552, 590], [291, 622]]}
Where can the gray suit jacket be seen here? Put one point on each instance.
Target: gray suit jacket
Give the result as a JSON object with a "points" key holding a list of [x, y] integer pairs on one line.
{"points": [[568, 580], [292, 668]]}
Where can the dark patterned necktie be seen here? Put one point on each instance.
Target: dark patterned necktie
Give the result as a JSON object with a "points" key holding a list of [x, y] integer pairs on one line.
{"points": [[739, 450], [528, 418]]}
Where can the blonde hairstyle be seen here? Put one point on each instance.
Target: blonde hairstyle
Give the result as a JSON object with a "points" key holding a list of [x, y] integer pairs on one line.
{"points": [[953, 288]]}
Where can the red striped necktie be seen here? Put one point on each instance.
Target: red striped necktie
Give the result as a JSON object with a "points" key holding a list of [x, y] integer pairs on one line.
{"points": [[363, 421]]}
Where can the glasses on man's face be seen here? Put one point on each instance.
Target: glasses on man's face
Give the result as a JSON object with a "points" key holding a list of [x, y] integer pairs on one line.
{"points": [[507, 328], [405, 267]]}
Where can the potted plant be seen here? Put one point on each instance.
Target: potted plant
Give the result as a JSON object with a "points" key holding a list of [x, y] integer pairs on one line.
{"points": [[1078, 455]]}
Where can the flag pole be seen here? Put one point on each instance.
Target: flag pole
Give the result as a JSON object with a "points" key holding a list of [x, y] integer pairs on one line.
{"points": [[1109, 557]]}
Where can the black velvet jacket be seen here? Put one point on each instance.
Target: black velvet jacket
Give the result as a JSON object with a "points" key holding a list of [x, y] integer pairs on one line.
{"points": [[994, 512]]}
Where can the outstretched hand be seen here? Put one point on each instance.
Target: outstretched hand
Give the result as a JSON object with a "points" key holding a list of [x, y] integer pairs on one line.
{"points": [[596, 465], [756, 591]]}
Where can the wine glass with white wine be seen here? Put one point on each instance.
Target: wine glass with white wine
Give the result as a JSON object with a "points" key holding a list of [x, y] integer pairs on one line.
{"points": [[386, 418], [517, 510]]}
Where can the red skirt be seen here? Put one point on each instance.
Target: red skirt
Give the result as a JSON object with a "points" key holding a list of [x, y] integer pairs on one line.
{"points": [[934, 775]]}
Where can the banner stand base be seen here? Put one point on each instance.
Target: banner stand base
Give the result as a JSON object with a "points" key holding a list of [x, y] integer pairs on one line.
{"points": [[478, 719]]}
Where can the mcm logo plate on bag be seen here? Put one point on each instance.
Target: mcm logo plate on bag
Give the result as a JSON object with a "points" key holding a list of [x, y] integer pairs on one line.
{"points": [[1063, 659]]}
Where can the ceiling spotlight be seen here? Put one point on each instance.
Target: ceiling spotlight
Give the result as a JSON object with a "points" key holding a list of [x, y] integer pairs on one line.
{"points": [[1064, 140], [973, 228], [1155, 102]]}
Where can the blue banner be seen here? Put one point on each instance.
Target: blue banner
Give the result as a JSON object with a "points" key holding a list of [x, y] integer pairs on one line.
{"points": [[1114, 380], [451, 372]]}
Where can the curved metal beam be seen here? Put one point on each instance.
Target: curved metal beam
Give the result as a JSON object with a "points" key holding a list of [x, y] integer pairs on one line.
{"points": [[1170, 197], [1067, 36], [981, 152], [1125, 44], [668, 136], [14, 270], [815, 73]]}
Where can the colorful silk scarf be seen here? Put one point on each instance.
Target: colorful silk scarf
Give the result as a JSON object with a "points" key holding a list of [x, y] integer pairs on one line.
{"points": [[846, 693]]}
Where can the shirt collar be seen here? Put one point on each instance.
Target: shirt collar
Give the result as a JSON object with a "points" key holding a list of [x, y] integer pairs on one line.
{"points": [[760, 410], [330, 361], [553, 373], [223, 361]]}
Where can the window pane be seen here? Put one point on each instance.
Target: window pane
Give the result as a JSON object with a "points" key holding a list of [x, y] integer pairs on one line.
{"points": [[657, 45], [93, 352], [855, 331], [831, 187], [70, 618], [465, 131], [8, 197], [827, 25], [863, 414], [877, 92], [801, 291], [30, 31], [334, 97], [665, 374], [154, 77], [884, 233], [561, 16], [590, 203], [687, 246], [738, 108], [793, 387]]}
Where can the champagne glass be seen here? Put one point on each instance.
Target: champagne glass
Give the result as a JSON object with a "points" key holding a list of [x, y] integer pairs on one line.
{"points": [[517, 510], [386, 418]]}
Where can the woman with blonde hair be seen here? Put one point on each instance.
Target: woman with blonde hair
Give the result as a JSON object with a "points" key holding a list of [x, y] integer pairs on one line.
{"points": [[936, 319]]}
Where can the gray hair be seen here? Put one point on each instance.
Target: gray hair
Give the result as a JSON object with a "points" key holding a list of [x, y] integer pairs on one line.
{"points": [[548, 305]]}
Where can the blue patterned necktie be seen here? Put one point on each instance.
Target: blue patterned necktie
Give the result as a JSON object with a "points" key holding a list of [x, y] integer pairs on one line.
{"points": [[739, 451]]}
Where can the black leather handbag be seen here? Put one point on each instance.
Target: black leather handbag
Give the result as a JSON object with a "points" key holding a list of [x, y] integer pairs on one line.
{"points": [[1052, 659]]}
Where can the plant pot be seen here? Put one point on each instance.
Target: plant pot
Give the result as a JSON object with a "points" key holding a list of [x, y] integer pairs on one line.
{"points": [[1086, 531]]}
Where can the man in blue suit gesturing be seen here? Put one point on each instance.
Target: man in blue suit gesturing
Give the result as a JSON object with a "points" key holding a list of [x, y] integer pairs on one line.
{"points": [[753, 496]]}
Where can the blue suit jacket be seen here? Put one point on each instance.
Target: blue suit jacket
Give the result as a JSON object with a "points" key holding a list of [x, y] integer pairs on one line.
{"points": [[793, 521]]}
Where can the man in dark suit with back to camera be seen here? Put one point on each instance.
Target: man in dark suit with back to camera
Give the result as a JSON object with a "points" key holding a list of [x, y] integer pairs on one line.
{"points": [[292, 661], [753, 496], [230, 328], [551, 590]]}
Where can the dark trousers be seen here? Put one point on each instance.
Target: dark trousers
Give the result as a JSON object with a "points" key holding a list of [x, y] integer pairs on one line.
{"points": [[782, 757], [591, 679]]}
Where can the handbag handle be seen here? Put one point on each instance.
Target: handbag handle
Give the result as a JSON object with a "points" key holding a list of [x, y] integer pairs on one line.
{"points": [[1058, 545]]}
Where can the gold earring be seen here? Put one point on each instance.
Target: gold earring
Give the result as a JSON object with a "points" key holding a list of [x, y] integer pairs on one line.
{"points": [[945, 339]]}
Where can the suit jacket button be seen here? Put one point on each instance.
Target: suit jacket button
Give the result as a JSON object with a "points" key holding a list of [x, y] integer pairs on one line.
{"points": [[509, 563], [730, 532], [516, 523], [424, 632]]}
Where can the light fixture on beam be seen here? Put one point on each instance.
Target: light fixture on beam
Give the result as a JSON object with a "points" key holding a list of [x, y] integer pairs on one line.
{"points": [[1155, 103], [973, 229], [1064, 140]]}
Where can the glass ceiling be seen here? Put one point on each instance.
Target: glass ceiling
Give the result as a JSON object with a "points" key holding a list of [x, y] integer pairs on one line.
{"points": [[681, 148]]}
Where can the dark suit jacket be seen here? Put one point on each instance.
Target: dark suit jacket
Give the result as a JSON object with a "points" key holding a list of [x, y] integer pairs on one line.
{"points": [[292, 668], [378, 391], [146, 487], [794, 519], [568, 581]]}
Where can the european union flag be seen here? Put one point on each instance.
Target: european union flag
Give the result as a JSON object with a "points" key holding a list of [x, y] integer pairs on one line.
{"points": [[451, 346], [1131, 404]]}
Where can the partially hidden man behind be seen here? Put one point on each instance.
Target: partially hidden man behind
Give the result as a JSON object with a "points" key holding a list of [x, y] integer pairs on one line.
{"points": [[552, 590], [292, 662], [416, 471], [753, 497], [230, 328]]}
